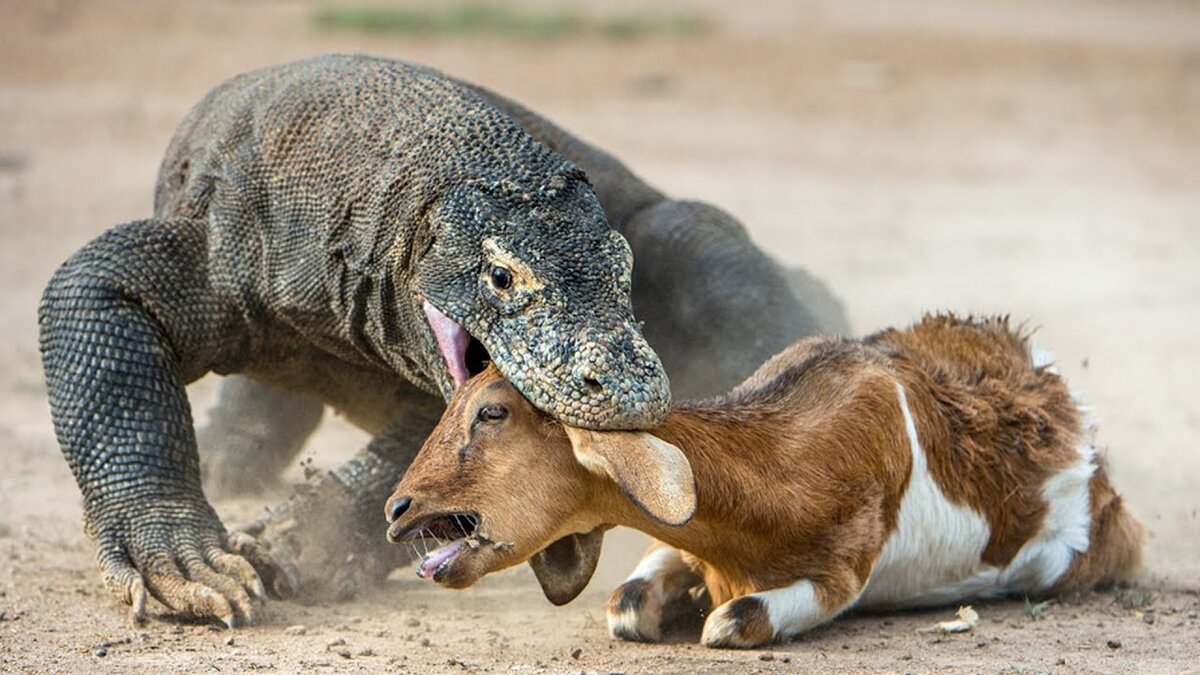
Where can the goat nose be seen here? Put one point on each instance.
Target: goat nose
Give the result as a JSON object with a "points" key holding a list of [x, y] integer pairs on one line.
{"points": [[397, 507]]}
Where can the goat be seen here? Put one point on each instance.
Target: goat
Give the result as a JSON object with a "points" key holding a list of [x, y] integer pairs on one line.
{"points": [[911, 468]]}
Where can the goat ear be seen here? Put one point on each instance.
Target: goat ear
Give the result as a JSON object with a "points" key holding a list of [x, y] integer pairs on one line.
{"points": [[565, 567], [654, 474]]}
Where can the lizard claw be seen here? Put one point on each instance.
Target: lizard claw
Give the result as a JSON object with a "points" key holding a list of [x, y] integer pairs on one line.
{"points": [[203, 574], [281, 578], [138, 602]]}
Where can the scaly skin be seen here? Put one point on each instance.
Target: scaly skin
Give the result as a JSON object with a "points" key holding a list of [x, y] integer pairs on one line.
{"points": [[319, 225], [119, 345], [714, 307]]}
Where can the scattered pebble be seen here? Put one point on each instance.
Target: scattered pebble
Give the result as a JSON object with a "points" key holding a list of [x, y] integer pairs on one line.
{"points": [[366, 651], [336, 643], [424, 642], [1113, 644], [101, 652], [766, 657], [1060, 662], [412, 623], [109, 643], [298, 629], [343, 652], [576, 652], [229, 641]]}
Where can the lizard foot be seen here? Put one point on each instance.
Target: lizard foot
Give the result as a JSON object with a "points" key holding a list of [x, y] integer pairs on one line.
{"points": [[186, 562]]}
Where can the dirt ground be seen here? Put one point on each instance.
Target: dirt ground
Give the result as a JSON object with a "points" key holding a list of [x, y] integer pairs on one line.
{"points": [[1039, 158]]}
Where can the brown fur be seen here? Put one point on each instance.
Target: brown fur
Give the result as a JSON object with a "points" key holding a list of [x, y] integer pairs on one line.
{"points": [[800, 471], [993, 427], [1122, 537]]}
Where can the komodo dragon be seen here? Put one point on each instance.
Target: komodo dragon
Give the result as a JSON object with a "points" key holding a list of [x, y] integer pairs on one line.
{"points": [[699, 285], [367, 232]]}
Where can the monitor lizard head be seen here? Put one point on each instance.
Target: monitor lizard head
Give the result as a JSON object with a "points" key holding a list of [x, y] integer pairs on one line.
{"points": [[531, 278]]}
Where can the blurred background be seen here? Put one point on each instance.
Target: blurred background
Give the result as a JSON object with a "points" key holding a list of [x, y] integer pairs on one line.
{"points": [[1033, 157]]}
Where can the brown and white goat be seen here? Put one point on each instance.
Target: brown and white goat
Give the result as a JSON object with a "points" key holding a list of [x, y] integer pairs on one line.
{"points": [[914, 467]]}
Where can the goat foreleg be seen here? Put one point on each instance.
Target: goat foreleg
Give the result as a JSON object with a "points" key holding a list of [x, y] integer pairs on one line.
{"points": [[635, 608], [766, 616]]}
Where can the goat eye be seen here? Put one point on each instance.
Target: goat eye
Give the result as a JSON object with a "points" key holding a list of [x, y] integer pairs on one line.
{"points": [[501, 278], [491, 413]]}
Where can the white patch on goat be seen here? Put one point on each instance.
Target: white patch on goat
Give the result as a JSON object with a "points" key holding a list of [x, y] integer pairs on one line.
{"points": [[795, 609], [1043, 560], [657, 564], [792, 610], [933, 556], [1066, 529]]}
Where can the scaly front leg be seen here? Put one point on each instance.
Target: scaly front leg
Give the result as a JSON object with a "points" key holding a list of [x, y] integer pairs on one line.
{"points": [[635, 608], [125, 324]]}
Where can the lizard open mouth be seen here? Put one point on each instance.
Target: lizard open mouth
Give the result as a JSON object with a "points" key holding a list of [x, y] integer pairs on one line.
{"points": [[464, 355], [449, 533]]}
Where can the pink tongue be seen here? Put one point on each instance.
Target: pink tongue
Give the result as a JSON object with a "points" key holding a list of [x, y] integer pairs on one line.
{"points": [[439, 555], [452, 342]]}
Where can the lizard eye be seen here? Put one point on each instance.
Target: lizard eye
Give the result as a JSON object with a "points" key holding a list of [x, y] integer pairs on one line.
{"points": [[501, 278], [491, 413]]}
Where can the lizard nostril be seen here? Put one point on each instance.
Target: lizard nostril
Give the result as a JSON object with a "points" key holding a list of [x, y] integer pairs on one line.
{"points": [[397, 507], [593, 385]]}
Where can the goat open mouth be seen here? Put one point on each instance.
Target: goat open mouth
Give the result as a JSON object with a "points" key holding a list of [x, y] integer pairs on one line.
{"points": [[464, 355], [448, 533]]}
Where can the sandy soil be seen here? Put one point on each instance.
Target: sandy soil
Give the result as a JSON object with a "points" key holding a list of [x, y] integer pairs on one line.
{"points": [[1036, 158]]}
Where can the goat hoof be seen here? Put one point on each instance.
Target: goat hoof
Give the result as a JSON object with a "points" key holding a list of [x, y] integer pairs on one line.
{"points": [[634, 611], [738, 624]]}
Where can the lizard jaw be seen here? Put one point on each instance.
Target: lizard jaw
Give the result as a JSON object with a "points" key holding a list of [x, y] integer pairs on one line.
{"points": [[456, 345]]}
